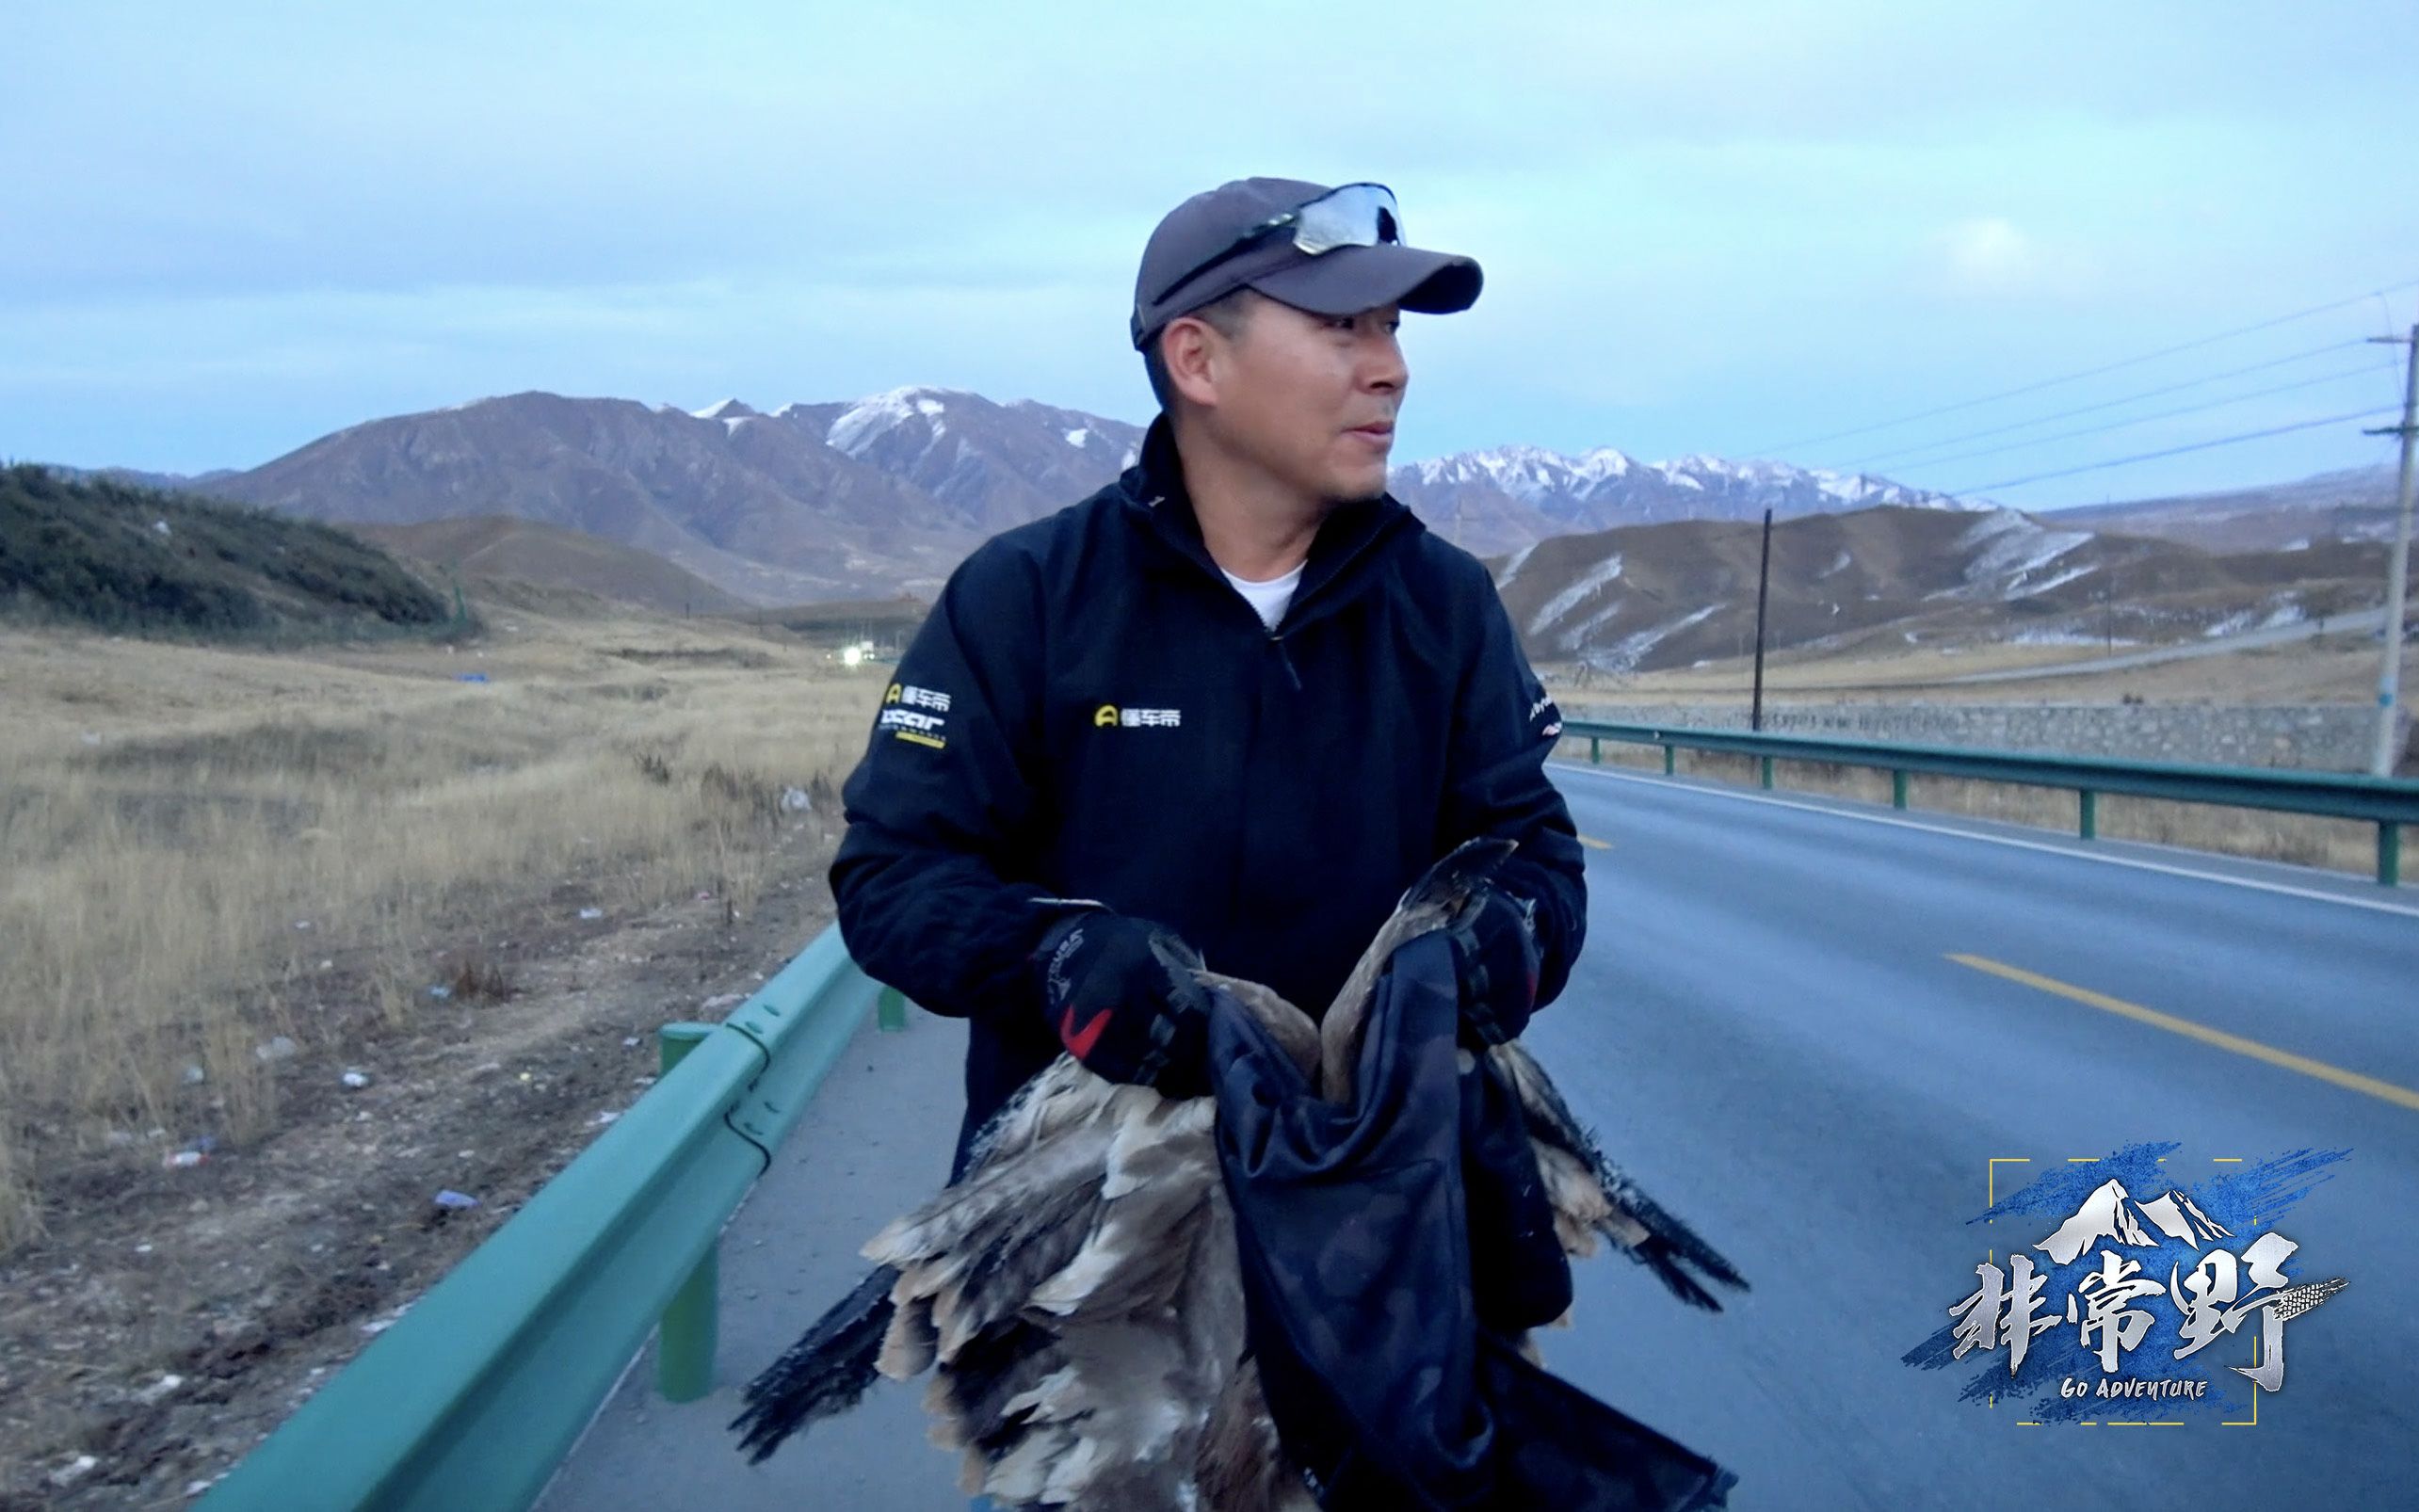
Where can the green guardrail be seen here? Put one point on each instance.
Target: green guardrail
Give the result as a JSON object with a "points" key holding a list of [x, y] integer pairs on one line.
{"points": [[475, 1396], [2388, 803]]}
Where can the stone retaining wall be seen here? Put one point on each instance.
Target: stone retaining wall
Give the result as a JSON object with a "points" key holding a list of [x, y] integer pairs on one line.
{"points": [[2317, 737]]}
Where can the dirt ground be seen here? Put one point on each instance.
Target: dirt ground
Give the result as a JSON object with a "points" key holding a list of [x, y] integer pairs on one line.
{"points": [[165, 1317], [249, 1278]]}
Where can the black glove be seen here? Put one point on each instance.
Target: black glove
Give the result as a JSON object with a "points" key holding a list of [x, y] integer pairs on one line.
{"points": [[1496, 959], [1129, 1011]]}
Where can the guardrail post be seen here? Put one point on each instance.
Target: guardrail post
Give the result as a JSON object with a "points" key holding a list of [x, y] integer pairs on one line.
{"points": [[1671, 758], [685, 1336], [2087, 813], [1898, 790], [1768, 771], [889, 1012], [1595, 750], [2389, 853]]}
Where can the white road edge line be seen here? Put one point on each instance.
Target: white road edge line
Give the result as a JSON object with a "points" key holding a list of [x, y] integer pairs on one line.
{"points": [[2373, 905]]}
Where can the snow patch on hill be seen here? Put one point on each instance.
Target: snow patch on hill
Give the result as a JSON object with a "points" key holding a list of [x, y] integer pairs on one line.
{"points": [[1581, 588]]}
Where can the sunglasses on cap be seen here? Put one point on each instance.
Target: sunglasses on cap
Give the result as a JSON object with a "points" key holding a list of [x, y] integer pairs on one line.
{"points": [[1354, 215]]}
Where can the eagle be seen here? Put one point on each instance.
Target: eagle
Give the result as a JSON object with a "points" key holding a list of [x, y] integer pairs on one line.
{"points": [[1076, 1292]]}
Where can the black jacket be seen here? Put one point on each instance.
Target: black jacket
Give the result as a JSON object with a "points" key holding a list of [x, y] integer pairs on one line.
{"points": [[1393, 1250], [1091, 711]]}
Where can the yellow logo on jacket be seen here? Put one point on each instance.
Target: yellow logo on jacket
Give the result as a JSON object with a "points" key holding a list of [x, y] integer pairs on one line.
{"points": [[1109, 716], [904, 716]]}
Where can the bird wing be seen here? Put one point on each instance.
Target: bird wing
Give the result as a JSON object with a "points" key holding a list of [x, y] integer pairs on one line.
{"points": [[1077, 1293], [1065, 1292]]}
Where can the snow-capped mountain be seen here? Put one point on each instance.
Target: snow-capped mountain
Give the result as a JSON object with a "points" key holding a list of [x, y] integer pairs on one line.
{"points": [[805, 502], [1506, 497], [996, 464], [887, 493], [853, 498]]}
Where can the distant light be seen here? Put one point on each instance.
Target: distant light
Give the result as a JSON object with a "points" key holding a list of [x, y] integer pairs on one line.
{"points": [[853, 655]]}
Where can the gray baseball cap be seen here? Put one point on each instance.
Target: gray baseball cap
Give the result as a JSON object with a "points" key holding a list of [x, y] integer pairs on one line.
{"points": [[1200, 255]]}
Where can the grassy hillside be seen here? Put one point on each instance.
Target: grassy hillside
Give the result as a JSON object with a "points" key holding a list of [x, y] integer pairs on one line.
{"points": [[117, 556], [1648, 598], [501, 549], [892, 619]]}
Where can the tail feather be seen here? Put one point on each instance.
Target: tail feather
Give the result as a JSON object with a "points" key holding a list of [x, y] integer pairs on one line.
{"points": [[826, 1373], [1638, 1223], [1673, 1243], [1658, 1255]]}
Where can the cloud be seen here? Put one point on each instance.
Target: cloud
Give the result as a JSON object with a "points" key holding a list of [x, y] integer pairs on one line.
{"points": [[1704, 227], [1990, 255], [1993, 257]]}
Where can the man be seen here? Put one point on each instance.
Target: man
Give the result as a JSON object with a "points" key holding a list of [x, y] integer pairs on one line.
{"points": [[1231, 704]]}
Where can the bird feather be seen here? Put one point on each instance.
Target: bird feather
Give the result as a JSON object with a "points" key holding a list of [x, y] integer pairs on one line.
{"points": [[1078, 1287]]}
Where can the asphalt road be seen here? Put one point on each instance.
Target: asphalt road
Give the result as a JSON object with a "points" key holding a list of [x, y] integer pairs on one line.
{"points": [[1772, 1030]]}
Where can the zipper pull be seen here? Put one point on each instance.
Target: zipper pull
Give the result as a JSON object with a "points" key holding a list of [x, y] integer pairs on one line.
{"points": [[1296, 678]]}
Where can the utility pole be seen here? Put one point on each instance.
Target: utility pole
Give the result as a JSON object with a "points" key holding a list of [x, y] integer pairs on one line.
{"points": [[2108, 597], [2398, 572], [1763, 591]]}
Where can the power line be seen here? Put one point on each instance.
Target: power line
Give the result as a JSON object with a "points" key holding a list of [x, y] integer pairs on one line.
{"points": [[2089, 372], [1904, 454], [2144, 420], [2171, 451]]}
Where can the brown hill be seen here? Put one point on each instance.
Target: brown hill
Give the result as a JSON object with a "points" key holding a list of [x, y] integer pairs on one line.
{"points": [[749, 503], [524, 551], [1648, 597], [2354, 505], [824, 501], [810, 503]]}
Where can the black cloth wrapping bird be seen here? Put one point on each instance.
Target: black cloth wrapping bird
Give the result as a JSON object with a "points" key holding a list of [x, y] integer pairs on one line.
{"points": [[1078, 1292], [1358, 1226]]}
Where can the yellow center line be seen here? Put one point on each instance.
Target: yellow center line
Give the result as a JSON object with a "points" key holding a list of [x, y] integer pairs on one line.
{"points": [[1593, 844], [2353, 1081]]}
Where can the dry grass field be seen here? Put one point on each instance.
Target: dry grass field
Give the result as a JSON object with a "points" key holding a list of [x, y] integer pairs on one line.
{"points": [[2334, 669], [234, 876]]}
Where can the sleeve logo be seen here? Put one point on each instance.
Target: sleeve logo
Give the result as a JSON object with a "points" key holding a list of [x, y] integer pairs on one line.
{"points": [[905, 715], [1544, 718]]}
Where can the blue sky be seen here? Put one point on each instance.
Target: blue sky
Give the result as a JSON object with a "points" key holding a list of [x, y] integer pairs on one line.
{"points": [[1724, 228]]}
